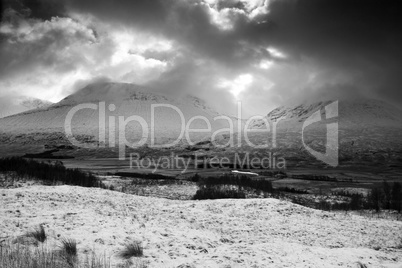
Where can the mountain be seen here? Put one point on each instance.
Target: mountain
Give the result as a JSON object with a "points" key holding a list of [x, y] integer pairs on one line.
{"points": [[14, 105], [352, 113], [112, 104], [355, 130], [318, 133]]}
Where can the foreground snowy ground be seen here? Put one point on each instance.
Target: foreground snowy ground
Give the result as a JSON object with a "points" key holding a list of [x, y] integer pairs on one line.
{"points": [[212, 233]]}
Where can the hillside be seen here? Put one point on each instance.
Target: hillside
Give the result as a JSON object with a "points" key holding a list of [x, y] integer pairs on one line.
{"points": [[14, 105], [214, 233], [352, 113], [368, 131], [121, 101]]}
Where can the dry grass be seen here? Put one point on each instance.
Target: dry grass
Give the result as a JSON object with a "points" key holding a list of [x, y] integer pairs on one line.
{"points": [[69, 251], [133, 249], [20, 256], [39, 234], [361, 265]]}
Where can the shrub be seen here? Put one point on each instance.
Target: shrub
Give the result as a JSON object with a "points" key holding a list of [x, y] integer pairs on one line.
{"points": [[49, 172], [356, 202], [396, 199], [218, 192], [292, 190], [149, 176], [229, 186], [133, 249], [39, 234], [385, 197], [387, 194], [324, 205], [375, 197], [195, 178], [240, 181]]}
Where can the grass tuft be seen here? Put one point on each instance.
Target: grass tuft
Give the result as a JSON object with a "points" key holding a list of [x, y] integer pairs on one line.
{"points": [[69, 246], [361, 265], [69, 251], [20, 256], [133, 249], [39, 234]]}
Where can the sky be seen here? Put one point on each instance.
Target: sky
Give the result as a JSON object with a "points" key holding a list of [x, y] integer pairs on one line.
{"points": [[260, 52]]}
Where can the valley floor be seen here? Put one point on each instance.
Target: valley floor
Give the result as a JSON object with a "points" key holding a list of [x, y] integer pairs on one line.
{"points": [[211, 233]]}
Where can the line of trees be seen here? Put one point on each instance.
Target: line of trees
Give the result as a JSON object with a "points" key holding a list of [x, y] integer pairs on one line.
{"points": [[386, 197], [229, 186], [49, 172], [235, 180]]}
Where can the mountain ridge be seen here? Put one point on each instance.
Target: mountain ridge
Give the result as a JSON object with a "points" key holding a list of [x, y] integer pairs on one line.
{"points": [[122, 101], [369, 112]]}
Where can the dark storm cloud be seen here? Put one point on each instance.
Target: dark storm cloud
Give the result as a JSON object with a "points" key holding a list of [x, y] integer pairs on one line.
{"points": [[355, 38], [359, 38], [40, 9], [332, 45], [187, 22]]}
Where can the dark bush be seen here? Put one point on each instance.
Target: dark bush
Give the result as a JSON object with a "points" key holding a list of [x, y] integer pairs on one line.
{"points": [[356, 201], [150, 176], [292, 190], [49, 172], [375, 198], [324, 205], [240, 181], [396, 197], [195, 178], [387, 195], [218, 192]]}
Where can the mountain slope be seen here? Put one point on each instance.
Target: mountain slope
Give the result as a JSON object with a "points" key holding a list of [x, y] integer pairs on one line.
{"points": [[358, 131], [121, 101], [14, 105], [351, 113]]}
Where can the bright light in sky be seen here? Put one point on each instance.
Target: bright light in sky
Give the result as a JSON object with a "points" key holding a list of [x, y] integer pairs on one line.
{"points": [[221, 19], [238, 85], [266, 64], [276, 53], [224, 18]]}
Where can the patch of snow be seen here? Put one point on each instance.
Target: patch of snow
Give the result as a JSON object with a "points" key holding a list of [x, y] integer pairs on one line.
{"points": [[210, 233]]}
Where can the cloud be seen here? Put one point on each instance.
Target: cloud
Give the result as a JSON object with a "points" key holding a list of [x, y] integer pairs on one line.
{"points": [[290, 48], [353, 41], [38, 9], [31, 42], [45, 58]]}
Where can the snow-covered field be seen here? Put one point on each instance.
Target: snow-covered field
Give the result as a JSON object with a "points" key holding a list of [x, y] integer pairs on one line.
{"points": [[212, 233]]}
